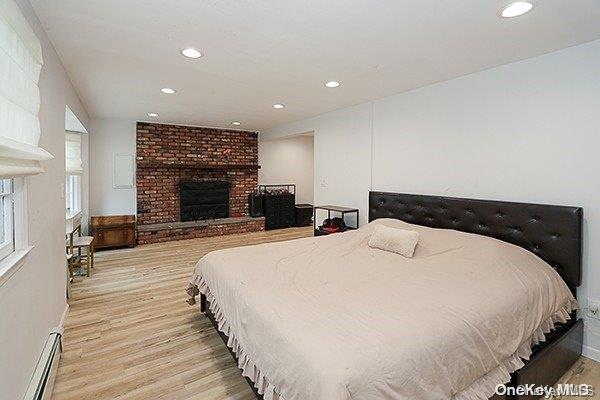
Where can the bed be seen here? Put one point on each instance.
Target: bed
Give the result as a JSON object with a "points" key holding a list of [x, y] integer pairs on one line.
{"points": [[490, 286]]}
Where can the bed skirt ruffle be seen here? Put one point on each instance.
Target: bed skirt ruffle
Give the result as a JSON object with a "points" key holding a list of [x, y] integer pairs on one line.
{"points": [[249, 369], [482, 389], [485, 387]]}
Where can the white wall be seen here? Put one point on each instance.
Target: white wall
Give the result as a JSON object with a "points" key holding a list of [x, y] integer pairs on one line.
{"points": [[110, 137], [32, 301], [527, 131], [288, 160]]}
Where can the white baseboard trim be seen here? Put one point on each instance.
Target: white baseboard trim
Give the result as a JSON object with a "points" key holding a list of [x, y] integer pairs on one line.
{"points": [[41, 384], [592, 353]]}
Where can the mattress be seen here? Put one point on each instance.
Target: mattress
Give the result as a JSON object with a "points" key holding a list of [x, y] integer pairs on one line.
{"points": [[331, 318]]}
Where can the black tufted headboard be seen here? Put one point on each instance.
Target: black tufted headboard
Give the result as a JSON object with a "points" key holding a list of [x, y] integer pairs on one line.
{"points": [[554, 233]]}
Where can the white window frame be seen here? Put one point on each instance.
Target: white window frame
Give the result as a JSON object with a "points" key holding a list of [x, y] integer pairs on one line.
{"points": [[73, 194], [13, 260], [21, 237], [7, 199], [68, 194]]}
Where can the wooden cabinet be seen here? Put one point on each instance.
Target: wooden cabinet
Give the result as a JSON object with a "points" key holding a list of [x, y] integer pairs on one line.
{"points": [[113, 231], [279, 210]]}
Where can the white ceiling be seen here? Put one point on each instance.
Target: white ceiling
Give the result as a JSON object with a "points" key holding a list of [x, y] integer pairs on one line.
{"points": [[259, 52], [72, 123]]}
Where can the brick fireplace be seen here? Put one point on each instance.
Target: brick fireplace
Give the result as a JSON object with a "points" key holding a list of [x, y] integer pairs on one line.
{"points": [[168, 155]]}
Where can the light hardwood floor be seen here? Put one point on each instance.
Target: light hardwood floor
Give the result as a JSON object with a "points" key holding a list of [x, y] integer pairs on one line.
{"points": [[131, 335]]}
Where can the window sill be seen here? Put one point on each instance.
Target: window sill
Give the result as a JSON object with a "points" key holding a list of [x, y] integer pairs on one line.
{"points": [[12, 263], [73, 220], [72, 214]]}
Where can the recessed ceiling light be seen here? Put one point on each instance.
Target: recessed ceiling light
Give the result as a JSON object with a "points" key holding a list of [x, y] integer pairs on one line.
{"points": [[191, 53], [332, 84], [168, 90], [278, 106], [236, 123], [515, 9], [153, 114]]}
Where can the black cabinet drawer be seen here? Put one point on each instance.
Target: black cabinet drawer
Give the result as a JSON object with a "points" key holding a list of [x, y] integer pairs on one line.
{"points": [[287, 221], [271, 200], [279, 210], [288, 201], [272, 223]]}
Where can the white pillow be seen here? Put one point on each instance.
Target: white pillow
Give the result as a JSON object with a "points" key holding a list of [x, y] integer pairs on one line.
{"points": [[395, 240]]}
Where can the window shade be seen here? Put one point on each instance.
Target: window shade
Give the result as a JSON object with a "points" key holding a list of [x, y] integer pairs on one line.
{"points": [[73, 154], [20, 65]]}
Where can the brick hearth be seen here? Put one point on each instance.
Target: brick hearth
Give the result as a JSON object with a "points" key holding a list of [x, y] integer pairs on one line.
{"points": [[168, 153], [155, 233]]}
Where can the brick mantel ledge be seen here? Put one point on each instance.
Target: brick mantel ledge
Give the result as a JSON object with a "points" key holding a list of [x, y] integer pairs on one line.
{"points": [[197, 224]]}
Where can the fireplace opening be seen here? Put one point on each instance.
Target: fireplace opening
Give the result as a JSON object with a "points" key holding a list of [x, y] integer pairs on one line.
{"points": [[203, 200]]}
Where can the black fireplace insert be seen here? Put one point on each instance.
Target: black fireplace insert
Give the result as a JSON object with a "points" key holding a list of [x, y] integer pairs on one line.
{"points": [[203, 200]]}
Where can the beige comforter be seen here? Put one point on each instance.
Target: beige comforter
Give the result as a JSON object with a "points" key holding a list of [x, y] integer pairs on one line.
{"points": [[330, 318]]}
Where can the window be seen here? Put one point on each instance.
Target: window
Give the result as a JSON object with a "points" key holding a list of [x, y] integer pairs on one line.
{"points": [[74, 169], [73, 194], [7, 227], [21, 60]]}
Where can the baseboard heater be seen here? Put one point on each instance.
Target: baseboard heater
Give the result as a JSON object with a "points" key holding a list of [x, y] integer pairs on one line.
{"points": [[42, 381]]}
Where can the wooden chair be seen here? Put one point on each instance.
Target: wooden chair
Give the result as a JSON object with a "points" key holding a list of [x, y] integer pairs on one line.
{"points": [[69, 274], [75, 245], [70, 260]]}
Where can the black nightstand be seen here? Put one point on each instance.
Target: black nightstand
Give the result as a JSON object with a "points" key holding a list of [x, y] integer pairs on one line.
{"points": [[336, 209]]}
